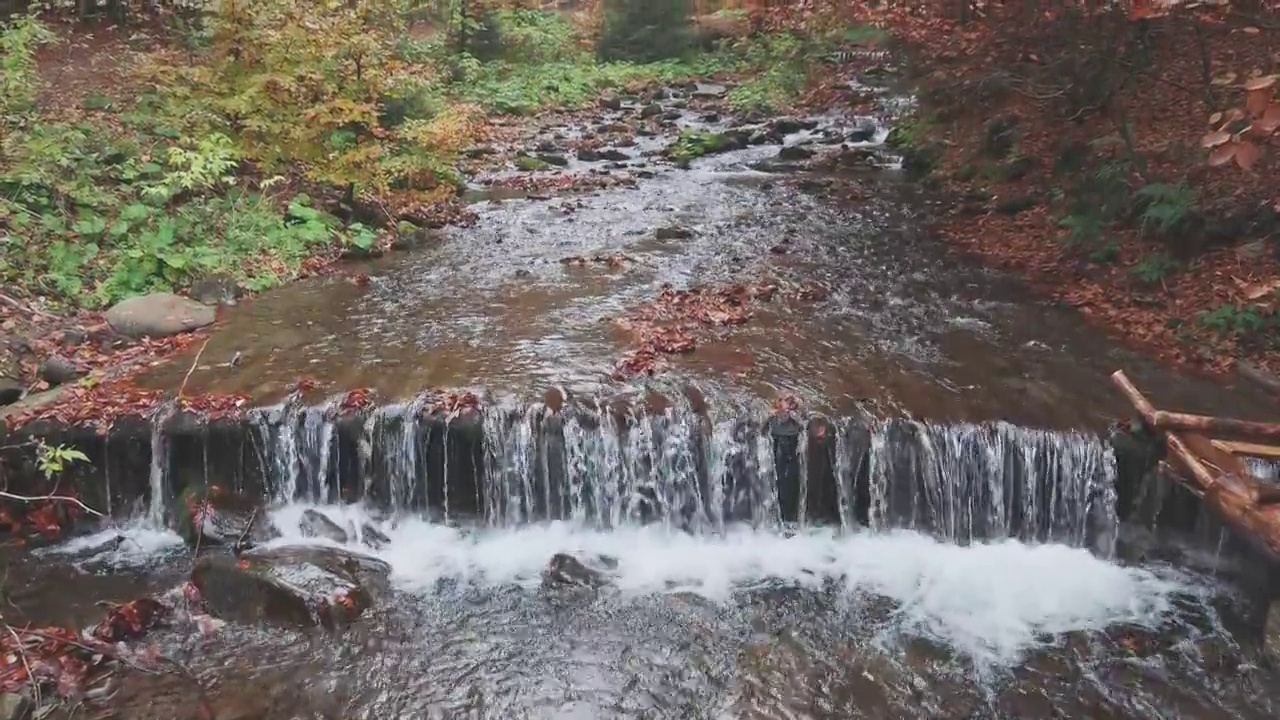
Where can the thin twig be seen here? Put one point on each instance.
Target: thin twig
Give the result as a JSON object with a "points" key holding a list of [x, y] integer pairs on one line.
{"points": [[25, 307], [59, 498], [253, 516], [192, 369], [22, 655]]}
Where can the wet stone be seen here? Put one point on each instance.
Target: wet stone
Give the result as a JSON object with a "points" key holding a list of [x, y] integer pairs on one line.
{"points": [[316, 524], [553, 159], [372, 537], [565, 570], [219, 517], [789, 126], [651, 110], [794, 153], [614, 155], [291, 586], [673, 232]]}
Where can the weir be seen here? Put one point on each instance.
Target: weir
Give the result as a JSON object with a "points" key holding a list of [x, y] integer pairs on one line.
{"points": [[606, 466]]}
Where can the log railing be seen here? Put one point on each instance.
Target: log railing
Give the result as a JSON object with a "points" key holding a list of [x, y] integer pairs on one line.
{"points": [[1213, 468]]}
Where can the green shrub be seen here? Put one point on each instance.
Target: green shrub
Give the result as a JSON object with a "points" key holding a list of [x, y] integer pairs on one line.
{"points": [[645, 30]]}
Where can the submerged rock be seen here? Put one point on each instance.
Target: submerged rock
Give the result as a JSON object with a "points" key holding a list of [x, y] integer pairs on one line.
{"points": [[291, 586], [219, 517], [159, 315], [372, 537], [793, 153], [565, 570], [673, 232], [316, 524]]}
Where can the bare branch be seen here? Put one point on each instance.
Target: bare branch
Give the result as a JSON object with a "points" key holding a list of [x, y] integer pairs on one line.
{"points": [[192, 369], [58, 498]]}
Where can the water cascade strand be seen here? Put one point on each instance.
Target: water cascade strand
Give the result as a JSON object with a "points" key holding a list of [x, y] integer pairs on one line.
{"points": [[605, 468]]}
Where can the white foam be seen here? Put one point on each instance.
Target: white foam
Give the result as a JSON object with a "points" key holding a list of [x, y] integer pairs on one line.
{"points": [[118, 546], [990, 601]]}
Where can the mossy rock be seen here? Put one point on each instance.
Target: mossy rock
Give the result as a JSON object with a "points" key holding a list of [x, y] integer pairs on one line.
{"points": [[215, 516], [694, 144], [528, 163], [298, 586]]}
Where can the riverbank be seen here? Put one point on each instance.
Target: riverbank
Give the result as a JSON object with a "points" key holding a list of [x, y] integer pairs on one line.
{"points": [[1073, 151], [155, 158]]}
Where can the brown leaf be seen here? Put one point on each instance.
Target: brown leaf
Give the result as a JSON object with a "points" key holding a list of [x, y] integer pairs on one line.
{"points": [[1247, 155], [1222, 154], [1262, 82], [1214, 139], [1251, 30], [1257, 101], [1268, 122], [1215, 118]]}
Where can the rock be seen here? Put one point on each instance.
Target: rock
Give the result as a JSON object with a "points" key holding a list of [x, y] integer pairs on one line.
{"points": [[217, 290], [788, 126], [372, 537], [479, 151], [11, 387], [709, 90], [793, 153], [554, 159], [159, 315], [57, 370], [548, 146], [565, 570], [673, 232], [862, 134], [614, 155], [711, 117], [611, 103], [318, 525], [528, 163], [15, 706], [651, 110], [672, 115], [215, 516], [291, 586], [410, 236], [588, 155]]}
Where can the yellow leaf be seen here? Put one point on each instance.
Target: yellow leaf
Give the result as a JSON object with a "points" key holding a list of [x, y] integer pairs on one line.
{"points": [[1225, 79], [1251, 30]]}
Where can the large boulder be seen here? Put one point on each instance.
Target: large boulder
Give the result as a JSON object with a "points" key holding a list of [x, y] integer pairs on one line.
{"points": [[159, 315], [214, 516], [296, 586]]}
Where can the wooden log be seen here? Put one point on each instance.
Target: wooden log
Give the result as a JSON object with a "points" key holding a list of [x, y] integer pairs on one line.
{"points": [[1164, 420], [1248, 449]]}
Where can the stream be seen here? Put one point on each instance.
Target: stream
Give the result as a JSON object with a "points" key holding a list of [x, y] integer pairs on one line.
{"points": [[974, 567]]}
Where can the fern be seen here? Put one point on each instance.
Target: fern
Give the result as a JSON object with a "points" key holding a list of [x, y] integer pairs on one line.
{"points": [[1167, 206]]}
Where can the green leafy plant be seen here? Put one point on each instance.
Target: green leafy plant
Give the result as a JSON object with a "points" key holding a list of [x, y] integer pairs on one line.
{"points": [[53, 460], [19, 80], [1166, 207], [1153, 269]]}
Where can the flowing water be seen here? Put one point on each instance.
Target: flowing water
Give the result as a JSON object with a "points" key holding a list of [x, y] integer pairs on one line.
{"points": [[912, 554]]}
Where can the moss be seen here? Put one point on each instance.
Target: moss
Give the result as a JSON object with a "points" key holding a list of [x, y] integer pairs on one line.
{"points": [[528, 163]]}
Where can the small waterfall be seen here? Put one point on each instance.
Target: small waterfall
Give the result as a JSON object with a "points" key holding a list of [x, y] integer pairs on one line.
{"points": [[606, 467], [161, 492]]}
